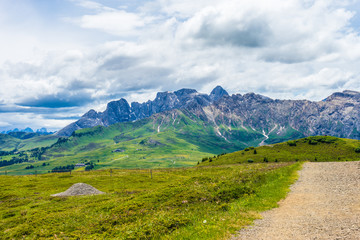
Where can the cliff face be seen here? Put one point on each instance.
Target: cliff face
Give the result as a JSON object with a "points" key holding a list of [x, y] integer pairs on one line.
{"points": [[121, 111], [337, 115]]}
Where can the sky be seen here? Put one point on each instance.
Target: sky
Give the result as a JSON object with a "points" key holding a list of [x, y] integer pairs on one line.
{"points": [[61, 58]]}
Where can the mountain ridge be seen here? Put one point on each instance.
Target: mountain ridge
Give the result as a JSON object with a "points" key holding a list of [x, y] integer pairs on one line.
{"points": [[122, 111], [276, 120]]}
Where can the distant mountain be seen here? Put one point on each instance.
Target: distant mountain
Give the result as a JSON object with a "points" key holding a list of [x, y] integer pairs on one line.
{"points": [[41, 131], [272, 119], [122, 111]]}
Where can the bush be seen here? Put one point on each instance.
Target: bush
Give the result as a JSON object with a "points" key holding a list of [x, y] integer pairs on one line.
{"points": [[249, 148], [255, 152], [291, 143], [266, 159], [204, 159], [357, 150], [250, 161], [313, 142]]}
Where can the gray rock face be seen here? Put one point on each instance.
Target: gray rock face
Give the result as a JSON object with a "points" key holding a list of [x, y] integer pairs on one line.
{"points": [[338, 115], [218, 93], [121, 111]]}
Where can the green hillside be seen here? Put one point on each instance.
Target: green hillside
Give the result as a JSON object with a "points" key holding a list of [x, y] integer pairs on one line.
{"points": [[162, 141], [8, 143], [166, 140], [316, 148], [25, 141]]}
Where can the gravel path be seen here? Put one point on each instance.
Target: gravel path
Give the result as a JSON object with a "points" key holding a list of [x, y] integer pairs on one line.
{"points": [[323, 204]]}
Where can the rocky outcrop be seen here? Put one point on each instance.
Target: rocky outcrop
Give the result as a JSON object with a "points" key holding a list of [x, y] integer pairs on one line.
{"points": [[338, 115], [121, 111]]}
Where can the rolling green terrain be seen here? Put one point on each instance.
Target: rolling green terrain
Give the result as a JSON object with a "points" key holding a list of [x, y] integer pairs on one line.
{"points": [[210, 201], [9, 143], [192, 203], [163, 141], [166, 140], [316, 148]]}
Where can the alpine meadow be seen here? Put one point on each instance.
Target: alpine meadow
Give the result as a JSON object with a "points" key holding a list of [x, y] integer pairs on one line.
{"points": [[169, 119]]}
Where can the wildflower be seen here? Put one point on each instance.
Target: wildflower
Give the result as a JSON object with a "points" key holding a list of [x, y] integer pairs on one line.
{"points": [[204, 221]]}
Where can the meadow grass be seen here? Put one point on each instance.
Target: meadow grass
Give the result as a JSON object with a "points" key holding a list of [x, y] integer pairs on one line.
{"points": [[187, 203], [315, 148]]}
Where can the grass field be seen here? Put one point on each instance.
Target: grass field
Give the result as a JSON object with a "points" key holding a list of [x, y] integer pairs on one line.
{"points": [[192, 203], [316, 148]]}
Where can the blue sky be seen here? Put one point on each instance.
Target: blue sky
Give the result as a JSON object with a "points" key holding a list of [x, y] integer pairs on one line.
{"points": [[61, 58]]}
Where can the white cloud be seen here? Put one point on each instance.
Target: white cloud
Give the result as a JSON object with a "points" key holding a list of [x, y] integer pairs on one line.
{"points": [[283, 49], [119, 22]]}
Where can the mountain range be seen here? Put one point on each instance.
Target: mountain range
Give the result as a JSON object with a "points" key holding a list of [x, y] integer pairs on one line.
{"points": [[122, 111], [27, 130], [178, 129], [268, 120]]}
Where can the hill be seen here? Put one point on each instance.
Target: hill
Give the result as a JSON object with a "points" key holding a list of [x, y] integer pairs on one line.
{"points": [[163, 140], [315, 148], [177, 138], [21, 141]]}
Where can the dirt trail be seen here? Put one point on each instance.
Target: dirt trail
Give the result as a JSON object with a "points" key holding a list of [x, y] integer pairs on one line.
{"points": [[323, 204]]}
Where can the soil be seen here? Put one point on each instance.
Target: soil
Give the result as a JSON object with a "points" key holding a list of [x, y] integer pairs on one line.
{"points": [[323, 204], [79, 189]]}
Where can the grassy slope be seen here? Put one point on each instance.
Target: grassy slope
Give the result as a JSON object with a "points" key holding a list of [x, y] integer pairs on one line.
{"points": [[172, 139], [317, 148], [172, 205], [163, 141], [35, 142], [9, 143]]}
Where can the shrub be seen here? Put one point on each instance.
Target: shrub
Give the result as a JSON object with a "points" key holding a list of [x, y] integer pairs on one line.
{"points": [[250, 161], [357, 150], [255, 152], [313, 142], [204, 159], [291, 143], [266, 159]]}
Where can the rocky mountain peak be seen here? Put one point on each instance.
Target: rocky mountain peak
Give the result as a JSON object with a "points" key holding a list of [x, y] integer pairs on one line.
{"points": [[185, 91], [217, 93], [344, 96], [91, 114]]}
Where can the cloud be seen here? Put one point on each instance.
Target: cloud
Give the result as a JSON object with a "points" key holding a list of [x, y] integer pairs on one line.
{"points": [[118, 22], [221, 27], [57, 101], [292, 49]]}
